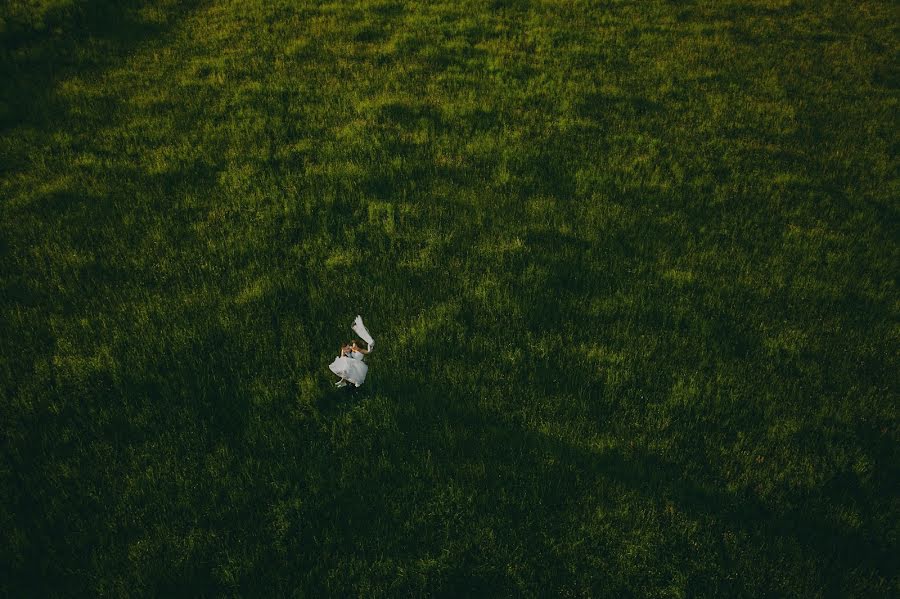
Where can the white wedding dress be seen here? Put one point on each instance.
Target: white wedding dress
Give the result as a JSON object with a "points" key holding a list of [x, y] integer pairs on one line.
{"points": [[351, 367]]}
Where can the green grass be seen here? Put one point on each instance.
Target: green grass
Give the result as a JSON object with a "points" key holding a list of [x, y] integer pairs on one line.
{"points": [[631, 266]]}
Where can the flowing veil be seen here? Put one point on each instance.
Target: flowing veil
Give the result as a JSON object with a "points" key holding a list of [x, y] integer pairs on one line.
{"points": [[363, 332]]}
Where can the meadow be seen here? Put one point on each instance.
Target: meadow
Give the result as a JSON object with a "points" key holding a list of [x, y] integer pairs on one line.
{"points": [[631, 267]]}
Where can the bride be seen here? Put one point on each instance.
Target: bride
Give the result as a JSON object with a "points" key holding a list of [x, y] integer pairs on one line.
{"points": [[349, 364]]}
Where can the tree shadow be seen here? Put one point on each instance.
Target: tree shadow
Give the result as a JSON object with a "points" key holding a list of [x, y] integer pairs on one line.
{"points": [[835, 548], [530, 488], [714, 331], [103, 424], [81, 38]]}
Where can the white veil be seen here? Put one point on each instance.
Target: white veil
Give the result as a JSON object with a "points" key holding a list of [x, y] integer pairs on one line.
{"points": [[363, 332]]}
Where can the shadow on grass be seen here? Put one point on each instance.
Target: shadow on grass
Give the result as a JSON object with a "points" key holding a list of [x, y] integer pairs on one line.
{"points": [[156, 417], [530, 490], [40, 49], [837, 549], [427, 492], [474, 486]]}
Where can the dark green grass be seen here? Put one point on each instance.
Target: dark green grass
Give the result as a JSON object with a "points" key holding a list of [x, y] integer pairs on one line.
{"points": [[631, 266]]}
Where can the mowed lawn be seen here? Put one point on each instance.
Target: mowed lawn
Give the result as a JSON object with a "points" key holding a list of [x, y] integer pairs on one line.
{"points": [[631, 267]]}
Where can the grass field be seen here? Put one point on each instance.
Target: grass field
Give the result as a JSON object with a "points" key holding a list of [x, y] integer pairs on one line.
{"points": [[631, 268]]}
